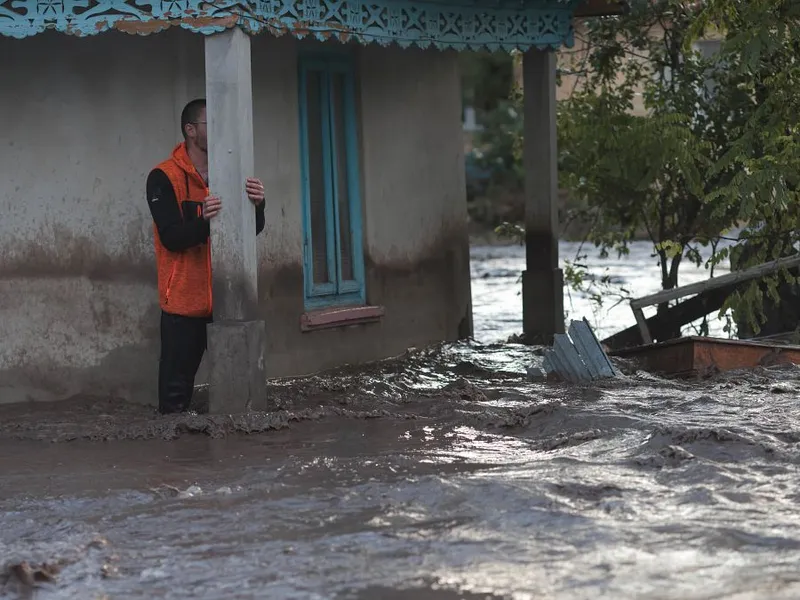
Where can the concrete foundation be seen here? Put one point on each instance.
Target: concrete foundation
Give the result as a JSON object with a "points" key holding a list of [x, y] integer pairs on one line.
{"points": [[236, 363]]}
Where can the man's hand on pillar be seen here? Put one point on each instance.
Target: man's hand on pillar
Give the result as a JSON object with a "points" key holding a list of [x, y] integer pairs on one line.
{"points": [[255, 190], [211, 207]]}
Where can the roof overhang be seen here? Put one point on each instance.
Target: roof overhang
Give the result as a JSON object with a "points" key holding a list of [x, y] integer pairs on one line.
{"points": [[445, 24]]}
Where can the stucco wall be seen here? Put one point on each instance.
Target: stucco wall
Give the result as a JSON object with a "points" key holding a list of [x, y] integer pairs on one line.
{"points": [[415, 219], [85, 123]]}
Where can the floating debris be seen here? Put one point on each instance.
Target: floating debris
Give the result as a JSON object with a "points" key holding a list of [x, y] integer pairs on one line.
{"points": [[190, 492], [109, 571], [171, 490], [697, 356], [576, 356], [27, 575]]}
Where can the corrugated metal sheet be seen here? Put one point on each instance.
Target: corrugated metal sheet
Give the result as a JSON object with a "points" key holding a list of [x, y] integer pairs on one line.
{"points": [[597, 361], [574, 368], [578, 357]]}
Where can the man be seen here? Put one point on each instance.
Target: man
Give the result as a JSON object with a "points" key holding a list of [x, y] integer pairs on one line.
{"points": [[182, 207]]}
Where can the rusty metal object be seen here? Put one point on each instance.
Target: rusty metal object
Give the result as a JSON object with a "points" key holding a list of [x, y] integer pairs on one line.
{"points": [[701, 356]]}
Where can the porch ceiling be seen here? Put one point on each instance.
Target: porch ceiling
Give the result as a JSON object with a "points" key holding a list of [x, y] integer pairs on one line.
{"points": [[444, 24]]}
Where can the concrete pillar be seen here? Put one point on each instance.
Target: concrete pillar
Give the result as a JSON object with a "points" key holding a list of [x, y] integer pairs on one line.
{"points": [[542, 281], [236, 339]]}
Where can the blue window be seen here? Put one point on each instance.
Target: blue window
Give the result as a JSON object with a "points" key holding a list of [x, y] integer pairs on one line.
{"points": [[333, 260]]}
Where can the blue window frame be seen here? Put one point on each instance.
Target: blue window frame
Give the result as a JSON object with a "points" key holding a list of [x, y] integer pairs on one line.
{"points": [[333, 260]]}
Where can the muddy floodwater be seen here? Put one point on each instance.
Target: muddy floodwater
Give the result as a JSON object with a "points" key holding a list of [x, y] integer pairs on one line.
{"points": [[497, 299], [441, 475]]}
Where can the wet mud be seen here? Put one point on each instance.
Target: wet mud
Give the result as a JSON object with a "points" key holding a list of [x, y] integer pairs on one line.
{"points": [[442, 474]]}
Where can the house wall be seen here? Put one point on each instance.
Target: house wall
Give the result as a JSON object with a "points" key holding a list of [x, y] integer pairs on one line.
{"points": [[82, 126], [81, 123], [413, 188]]}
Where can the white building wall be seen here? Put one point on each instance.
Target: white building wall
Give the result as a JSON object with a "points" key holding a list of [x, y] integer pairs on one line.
{"points": [[83, 120]]}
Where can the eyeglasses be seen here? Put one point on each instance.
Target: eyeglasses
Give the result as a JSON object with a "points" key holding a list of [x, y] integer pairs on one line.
{"points": [[199, 122]]}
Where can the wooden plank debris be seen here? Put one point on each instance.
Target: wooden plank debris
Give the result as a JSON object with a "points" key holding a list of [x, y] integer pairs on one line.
{"points": [[703, 289], [662, 324]]}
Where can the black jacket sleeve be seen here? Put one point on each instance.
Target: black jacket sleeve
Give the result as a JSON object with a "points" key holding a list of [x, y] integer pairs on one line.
{"points": [[176, 234], [260, 219]]}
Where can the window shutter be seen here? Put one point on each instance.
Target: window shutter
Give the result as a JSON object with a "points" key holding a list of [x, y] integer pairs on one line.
{"points": [[316, 179], [333, 255], [344, 245]]}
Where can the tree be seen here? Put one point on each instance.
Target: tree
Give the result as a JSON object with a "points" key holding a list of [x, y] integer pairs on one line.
{"points": [[486, 79], [760, 51], [641, 133], [662, 140]]}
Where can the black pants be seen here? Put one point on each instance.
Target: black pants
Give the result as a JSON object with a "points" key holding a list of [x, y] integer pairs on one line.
{"points": [[183, 342]]}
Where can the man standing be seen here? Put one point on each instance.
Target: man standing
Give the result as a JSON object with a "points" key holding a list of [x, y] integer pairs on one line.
{"points": [[182, 207]]}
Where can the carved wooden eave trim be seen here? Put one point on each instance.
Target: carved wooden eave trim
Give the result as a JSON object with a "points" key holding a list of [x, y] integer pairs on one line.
{"points": [[445, 24]]}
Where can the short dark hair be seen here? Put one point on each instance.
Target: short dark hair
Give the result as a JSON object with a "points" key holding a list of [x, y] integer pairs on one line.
{"points": [[191, 112]]}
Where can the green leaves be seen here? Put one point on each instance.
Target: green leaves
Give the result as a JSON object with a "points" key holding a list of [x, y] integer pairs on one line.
{"points": [[666, 138], [670, 248], [634, 139]]}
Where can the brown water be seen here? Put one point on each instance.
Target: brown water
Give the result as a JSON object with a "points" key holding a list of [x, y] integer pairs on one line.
{"points": [[440, 475]]}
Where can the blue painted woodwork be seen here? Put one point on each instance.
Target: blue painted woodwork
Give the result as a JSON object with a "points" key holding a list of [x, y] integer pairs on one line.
{"points": [[333, 268], [453, 24]]}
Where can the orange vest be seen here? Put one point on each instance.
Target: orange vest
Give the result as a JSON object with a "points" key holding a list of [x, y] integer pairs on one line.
{"points": [[184, 278]]}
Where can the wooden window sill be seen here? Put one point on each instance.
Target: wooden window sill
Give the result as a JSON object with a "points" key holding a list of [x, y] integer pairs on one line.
{"points": [[340, 316]]}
